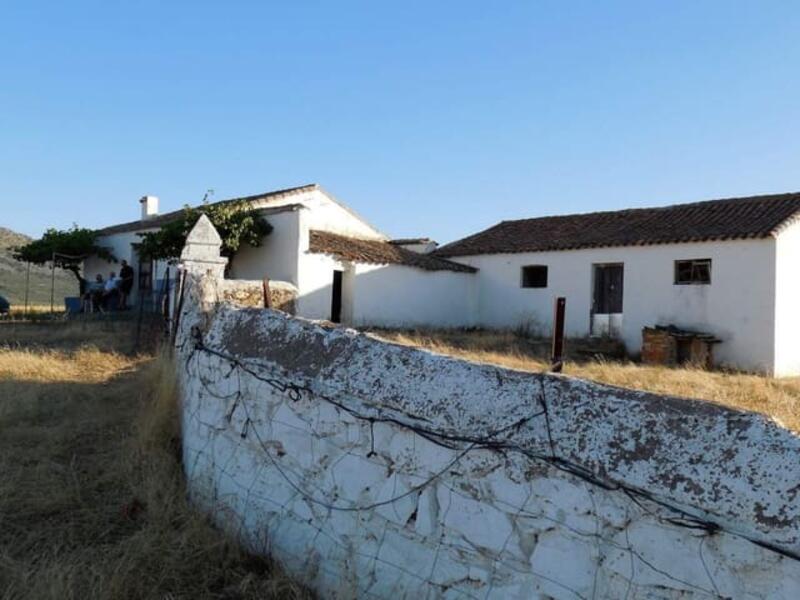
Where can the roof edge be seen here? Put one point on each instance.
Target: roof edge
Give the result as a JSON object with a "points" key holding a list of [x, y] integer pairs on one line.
{"points": [[157, 220]]}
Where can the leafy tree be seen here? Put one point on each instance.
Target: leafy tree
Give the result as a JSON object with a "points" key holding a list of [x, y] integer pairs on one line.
{"points": [[69, 247], [236, 222]]}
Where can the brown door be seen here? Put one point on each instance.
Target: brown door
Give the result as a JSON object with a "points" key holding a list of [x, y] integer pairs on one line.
{"points": [[608, 286]]}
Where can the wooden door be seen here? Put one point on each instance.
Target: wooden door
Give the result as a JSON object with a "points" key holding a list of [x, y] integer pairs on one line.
{"points": [[608, 288]]}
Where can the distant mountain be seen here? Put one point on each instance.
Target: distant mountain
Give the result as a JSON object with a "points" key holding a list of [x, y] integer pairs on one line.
{"points": [[10, 238], [13, 275]]}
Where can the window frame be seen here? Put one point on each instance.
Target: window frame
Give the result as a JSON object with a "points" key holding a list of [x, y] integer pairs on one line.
{"points": [[542, 268], [695, 267]]}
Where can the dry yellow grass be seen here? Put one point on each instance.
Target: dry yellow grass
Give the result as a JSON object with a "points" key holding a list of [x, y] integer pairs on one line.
{"points": [[85, 365], [92, 499], [778, 398]]}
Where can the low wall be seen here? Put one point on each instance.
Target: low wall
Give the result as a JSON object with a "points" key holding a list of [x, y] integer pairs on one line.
{"points": [[242, 292], [375, 470]]}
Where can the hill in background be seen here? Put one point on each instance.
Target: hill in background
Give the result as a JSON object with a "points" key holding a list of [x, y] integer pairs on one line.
{"points": [[12, 276]]}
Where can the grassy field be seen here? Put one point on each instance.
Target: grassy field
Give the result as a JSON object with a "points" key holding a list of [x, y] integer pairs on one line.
{"points": [[92, 500], [779, 398]]}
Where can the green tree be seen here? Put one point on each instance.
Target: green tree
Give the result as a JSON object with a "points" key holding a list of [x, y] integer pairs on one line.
{"points": [[236, 222], [68, 247]]}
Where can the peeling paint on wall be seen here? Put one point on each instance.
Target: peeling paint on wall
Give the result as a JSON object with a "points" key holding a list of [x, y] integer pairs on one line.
{"points": [[375, 470]]}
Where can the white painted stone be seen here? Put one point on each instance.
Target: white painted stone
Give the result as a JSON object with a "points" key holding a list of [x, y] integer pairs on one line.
{"points": [[486, 524], [427, 512], [400, 510], [478, 522]]}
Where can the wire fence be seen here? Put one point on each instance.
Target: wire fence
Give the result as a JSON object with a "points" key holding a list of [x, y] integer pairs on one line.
{"points": [[244, 387]]}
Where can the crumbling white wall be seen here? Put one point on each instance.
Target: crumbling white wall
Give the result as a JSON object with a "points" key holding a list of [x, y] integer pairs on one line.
{"points": [[375, 471]]}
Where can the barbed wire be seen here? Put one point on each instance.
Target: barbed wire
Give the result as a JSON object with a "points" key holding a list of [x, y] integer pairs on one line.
{"points": [[497, 441]]}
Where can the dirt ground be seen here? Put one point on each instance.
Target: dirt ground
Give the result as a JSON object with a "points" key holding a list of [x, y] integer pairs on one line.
{"points": [[92, 500]]}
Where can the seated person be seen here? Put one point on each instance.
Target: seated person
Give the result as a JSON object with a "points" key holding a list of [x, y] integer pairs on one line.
{"points": [[93, 297], [111, 290]]}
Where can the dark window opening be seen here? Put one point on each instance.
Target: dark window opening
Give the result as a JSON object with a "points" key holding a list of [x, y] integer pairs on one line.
{"points": [[534, 276], [693, 272]]}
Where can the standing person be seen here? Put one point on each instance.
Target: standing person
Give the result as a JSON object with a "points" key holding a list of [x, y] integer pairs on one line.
{"points": [[126, 274]]}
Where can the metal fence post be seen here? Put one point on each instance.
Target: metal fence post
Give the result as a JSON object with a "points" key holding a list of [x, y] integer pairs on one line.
{"points": [[557, 355]]}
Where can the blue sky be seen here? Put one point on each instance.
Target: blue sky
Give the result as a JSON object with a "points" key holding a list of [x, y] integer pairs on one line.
{"points": [[428, 118]]}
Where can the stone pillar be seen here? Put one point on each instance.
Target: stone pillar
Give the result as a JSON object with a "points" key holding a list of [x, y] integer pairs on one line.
{"points": [[200, 255], [204, 268]]}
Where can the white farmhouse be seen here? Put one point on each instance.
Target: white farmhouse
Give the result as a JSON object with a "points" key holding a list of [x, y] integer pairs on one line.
{"points": [[727, 267], [344, 269]]}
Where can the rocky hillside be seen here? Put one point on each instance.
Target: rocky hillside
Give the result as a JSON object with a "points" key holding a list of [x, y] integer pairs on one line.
{"points": [[12, 276]]}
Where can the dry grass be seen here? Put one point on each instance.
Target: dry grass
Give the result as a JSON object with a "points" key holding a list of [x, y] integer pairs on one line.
{"points": [[107, 335], [92, 500], [778, 398]]}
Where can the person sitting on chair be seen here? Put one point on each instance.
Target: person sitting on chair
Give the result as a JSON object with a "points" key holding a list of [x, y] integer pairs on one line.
{"points": [[110, 290], [126, 285], [93, 296]]}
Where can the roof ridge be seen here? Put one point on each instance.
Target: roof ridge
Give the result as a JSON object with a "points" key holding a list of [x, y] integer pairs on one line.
{"points": [[744, 217], [781, 196], [283, 192]]}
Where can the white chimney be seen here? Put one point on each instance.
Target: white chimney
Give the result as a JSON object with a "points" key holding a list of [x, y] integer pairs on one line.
{"points": [[149, 207]]}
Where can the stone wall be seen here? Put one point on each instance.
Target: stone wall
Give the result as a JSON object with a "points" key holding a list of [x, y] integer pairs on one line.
{"points": [[375, 470], [283, 295]]}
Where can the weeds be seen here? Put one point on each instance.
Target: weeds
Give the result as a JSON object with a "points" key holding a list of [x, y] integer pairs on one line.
{"points": [[92, 498]]}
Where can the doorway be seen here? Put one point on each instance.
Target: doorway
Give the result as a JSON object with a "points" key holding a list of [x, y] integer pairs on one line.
{"points": [[609, 281], [336, 297]]}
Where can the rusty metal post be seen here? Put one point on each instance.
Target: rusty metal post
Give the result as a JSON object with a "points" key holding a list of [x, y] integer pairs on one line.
{"points": [[557, 355], [267, 295], [176, 318]]}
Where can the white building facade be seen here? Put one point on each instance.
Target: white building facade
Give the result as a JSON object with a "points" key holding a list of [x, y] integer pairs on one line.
{"points": [[729, 268], [356, 275]]}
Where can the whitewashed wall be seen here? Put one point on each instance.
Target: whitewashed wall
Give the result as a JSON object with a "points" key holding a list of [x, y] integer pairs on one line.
{"points": [[315, 288], [787, 302], [327, 214], [277, 256], [377, 471], [380, 295], [386, 295], [400, 296], [738, 306]]}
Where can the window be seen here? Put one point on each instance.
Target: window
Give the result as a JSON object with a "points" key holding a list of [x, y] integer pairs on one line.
{"points": [[534, 276], [693, 272]]}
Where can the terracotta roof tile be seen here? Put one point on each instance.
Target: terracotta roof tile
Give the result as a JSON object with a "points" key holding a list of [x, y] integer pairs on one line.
{"points": [[729, 219], [378, 252]]}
